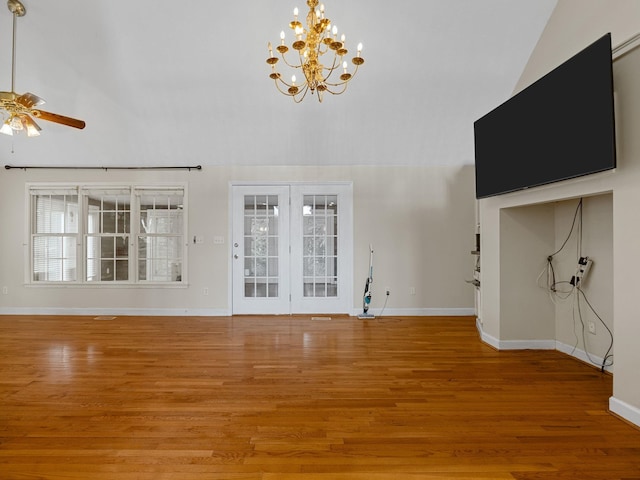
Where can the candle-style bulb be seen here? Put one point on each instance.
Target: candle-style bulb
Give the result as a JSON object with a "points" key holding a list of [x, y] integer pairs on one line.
{"points": [[293, 80], [359, 48]]}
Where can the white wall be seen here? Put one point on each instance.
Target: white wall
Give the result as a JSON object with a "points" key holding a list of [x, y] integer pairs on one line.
{"points": [[420, 220], [526, 236], [574, 25]]}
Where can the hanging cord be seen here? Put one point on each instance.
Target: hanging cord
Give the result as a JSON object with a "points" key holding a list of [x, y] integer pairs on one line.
{"points": [[573, 224], [551, 283], [608, 355], [553, 287]]}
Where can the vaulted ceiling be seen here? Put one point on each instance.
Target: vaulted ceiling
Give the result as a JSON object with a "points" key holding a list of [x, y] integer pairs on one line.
{"points": [[178, 83]]}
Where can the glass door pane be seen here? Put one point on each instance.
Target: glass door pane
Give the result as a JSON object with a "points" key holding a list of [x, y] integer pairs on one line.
{"points": [[321, 249], [261, 256], [320, 245], [260, 250]]}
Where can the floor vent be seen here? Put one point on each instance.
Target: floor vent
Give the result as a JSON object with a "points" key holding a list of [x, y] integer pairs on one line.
{"points": [[320, 318], [104, 318]]}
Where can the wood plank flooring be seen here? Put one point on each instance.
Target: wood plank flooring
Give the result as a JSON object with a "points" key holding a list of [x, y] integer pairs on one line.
{"points": [[283, 398]]}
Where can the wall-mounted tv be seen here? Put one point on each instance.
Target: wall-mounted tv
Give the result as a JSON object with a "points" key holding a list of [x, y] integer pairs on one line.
{"points": [[560, 127]]}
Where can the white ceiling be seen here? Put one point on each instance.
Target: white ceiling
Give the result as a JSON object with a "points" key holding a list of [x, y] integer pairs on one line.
{"points": [[186, 83]]}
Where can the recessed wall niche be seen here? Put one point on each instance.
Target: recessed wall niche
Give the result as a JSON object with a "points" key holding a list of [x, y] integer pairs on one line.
{"points": [[566, 230]]}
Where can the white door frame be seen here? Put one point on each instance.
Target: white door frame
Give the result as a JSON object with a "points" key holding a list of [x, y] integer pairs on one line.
{"points": [[344, 190]]}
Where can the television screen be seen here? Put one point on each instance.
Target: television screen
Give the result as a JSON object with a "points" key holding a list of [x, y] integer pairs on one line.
{"points": [[560, 127]]}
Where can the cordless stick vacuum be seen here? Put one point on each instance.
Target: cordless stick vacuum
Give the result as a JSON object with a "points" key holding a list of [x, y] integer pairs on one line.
{"points": [[366, 298]]}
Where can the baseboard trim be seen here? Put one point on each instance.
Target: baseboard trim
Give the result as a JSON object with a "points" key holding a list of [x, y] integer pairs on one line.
{"points": [[485, 337], [160, 312], [418, 312], [527, 345], [219, 312], [625, 411], [540, 345], [514, 344], [582, 355]]}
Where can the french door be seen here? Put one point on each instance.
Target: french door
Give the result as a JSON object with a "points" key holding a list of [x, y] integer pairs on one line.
{"points": [[291, 249]]}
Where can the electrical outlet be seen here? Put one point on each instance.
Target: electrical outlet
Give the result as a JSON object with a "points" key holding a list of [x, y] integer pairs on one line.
{"points": [[205, 291], [412, 291], [5, 290], [592, 328], [387, 290]]}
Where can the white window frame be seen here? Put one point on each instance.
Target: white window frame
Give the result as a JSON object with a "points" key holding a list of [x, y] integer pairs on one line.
{"points": [[60, 233], [100, 215], [133, 231], [178, 253]]}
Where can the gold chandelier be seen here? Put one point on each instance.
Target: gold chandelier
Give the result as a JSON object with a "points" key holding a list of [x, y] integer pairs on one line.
{"points": [[311, 42]]}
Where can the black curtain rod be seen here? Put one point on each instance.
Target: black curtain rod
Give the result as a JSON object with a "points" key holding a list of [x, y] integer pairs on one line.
{"points": [[25, 167]]}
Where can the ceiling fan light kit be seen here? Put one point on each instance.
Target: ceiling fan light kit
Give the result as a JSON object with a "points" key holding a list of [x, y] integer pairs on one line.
{"points": [[19, 109]]}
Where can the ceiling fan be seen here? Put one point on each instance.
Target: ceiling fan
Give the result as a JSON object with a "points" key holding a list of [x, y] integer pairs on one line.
{"points": [[20, 109]]}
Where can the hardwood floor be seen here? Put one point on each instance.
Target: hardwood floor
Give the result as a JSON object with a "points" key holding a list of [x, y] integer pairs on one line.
{"points": [[282, 398]]}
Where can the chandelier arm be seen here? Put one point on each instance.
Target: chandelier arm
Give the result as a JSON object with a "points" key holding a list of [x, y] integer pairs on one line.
{"points": [[328, 76], [344, 82], [284, 92], [288, 85], [302, 88], [280, 80], [304, 94], [284, 59], [326, 47], [332, 92], [336, 64]]}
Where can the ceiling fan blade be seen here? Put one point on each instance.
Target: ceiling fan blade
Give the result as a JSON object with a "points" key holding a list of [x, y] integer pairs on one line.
{"points": [[29, 100], [61, 119], [32, 128]]}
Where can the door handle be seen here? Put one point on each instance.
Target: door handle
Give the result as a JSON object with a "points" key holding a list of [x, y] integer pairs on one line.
{"points": [[235, 256]]}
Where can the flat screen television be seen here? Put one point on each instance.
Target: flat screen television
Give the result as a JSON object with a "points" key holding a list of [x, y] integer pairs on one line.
{"points": [[561, 126]]}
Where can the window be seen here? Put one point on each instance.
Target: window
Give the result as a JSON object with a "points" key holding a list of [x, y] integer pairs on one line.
{"points": [[107, 238], [160, 235], [54, 236], [108, 235]]}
